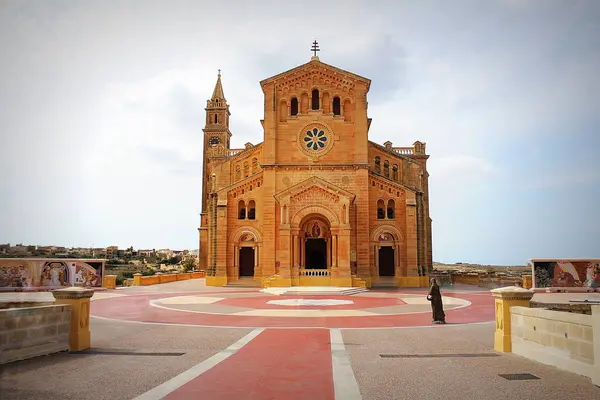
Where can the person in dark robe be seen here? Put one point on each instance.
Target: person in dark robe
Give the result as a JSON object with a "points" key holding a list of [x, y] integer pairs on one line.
{"points": [[435, 297]]}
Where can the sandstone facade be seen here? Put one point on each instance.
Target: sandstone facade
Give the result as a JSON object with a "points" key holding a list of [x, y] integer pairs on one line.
{"points": [[316, 199]]}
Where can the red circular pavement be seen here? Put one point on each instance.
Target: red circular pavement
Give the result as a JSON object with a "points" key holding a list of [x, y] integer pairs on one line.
{"points": [[137, 308]]}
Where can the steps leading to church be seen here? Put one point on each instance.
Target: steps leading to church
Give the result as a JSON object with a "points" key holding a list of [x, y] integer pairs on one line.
{"points": [[243, 282], [385, 282], [314, 291]]}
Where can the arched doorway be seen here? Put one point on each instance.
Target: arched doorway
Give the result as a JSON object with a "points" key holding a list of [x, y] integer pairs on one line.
{"points": [[317, 242], [386, 261], [245, 255], [386, 257], [246, 261]]}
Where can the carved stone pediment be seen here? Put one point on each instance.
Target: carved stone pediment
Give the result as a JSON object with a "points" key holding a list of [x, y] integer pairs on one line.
{"points": [[315, 188]]}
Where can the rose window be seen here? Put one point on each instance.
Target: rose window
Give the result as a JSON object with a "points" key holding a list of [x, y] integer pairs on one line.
{"points": [[315, 139]]}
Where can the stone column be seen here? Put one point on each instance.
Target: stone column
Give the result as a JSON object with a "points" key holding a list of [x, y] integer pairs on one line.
{"points": [[137, 279], [303, 252], [377, 260], [327, 253], [79, 300], [505, 298], [334, 244]]}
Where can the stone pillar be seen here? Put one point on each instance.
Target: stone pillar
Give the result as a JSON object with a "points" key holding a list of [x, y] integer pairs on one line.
{"points": [[303, 252], [79, 299], [110, 281], [596, 333], [505, 298], [334, 244], [328, 253], [137, 279], [527, 282]]}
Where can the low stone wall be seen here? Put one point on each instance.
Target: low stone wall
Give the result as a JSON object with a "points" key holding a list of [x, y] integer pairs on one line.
{"points": [[33, 331], [564, 340], [140, 280]]}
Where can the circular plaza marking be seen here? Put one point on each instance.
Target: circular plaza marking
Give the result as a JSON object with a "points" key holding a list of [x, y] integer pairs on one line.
{"points": [[310, 302], [257, 310]]}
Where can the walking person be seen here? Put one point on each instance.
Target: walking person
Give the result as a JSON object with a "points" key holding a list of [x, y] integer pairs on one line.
{"points": [[437, 308]]}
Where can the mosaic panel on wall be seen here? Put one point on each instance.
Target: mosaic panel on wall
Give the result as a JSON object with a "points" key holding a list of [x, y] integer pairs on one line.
{"points": [[566, 273], [36, 274]]}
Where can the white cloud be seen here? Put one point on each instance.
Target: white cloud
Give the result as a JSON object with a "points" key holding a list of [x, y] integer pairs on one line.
{"points": [[459, 168]]}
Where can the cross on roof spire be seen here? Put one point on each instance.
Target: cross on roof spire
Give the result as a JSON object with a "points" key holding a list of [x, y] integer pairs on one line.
{"points": [[315, 47]]}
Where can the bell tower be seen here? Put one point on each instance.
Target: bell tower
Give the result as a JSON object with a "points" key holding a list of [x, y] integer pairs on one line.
{"points": [[216, 134]]}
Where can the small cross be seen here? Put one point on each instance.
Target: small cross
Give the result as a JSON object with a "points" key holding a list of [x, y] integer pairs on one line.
{"points": [[315, 47], [219, 72]]}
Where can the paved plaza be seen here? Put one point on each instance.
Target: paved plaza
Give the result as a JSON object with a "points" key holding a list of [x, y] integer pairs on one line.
{"points": [[184, 340]]}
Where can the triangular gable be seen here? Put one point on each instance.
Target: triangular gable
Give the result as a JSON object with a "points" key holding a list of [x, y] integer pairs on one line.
{"points": [[313, 182], [316, 62]]}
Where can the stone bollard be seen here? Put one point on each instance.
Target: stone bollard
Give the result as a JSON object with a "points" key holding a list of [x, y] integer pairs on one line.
{"points": [[79, 299], [110, 281], [137, 279], [505, 298]]}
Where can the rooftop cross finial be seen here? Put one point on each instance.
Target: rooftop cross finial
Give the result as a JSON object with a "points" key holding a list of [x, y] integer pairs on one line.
{"points": [[315, 47], [219, 72]]}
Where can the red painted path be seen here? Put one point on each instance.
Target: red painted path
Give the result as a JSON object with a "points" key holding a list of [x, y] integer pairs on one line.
{"points": [[277, 364]]}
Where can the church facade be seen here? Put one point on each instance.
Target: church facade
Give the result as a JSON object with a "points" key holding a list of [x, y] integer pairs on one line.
{"points": [[316, 203]]}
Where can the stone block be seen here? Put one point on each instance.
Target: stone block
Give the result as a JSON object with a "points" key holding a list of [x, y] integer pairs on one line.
{"points": [[16, 336], [585, 349], [559, 342], [588, 334], [575, 331]]}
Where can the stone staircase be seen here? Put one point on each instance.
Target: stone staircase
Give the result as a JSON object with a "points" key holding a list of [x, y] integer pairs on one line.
{"points": [[385, 282], [244, 283], [313, 291]]}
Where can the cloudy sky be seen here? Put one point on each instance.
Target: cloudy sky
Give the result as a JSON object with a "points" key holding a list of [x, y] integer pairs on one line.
{"points": [[102, 106]]}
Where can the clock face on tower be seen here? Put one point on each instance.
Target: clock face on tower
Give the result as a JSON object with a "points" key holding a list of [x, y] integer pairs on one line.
{"points": [[214, 141]]}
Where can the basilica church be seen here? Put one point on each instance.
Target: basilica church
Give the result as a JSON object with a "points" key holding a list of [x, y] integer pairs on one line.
{"points": [[316, 203]]}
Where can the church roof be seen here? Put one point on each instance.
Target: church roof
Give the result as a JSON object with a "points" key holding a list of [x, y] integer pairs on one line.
{"points": [[315, 61], [218, 92]]}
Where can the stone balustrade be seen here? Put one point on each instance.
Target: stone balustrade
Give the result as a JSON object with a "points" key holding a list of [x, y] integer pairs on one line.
{"points": [[314, 272], [403, 150]]}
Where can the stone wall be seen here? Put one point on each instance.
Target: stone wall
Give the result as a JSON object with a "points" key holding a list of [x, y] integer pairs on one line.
{"points": [[33, 331], [564, 340]]}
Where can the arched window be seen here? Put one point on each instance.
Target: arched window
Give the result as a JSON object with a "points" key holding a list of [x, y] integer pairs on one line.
{"points": [[294, 106], [395, 172], [315, 99], [215, 118], [241, 210], [283, 111], [246, 169], [238, 172], [254, 164], [337, 106], [251, 209], [391, 209], [386, 168], [380, 209], [378, 164]]}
